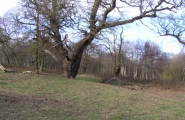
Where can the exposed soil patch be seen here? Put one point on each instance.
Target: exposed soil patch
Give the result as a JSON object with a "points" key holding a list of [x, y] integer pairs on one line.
{"points": [[24, 106], [34, 100]]}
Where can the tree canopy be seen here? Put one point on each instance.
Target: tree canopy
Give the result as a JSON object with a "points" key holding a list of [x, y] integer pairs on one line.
{"points": [[65, 28]]}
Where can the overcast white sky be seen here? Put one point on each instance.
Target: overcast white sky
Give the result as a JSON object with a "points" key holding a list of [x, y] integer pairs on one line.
{"points": [[6, 5], [168, 44]]}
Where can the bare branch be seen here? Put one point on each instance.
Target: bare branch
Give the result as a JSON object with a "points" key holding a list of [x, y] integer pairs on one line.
{"points": [[171, 26], [93, 13]]}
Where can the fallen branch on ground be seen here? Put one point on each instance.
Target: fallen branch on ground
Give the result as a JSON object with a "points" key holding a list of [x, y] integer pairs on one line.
{"points": [[15, 71], [30, 72], [7, 70]]}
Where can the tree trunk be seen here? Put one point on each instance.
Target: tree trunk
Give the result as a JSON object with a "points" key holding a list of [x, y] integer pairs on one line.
{"points": [[36, 42], [6, 56], [41, 64], [74, 66], [36, 59], [85, 68]]}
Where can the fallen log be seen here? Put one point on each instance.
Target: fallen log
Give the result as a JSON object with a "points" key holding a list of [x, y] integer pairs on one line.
{"points": [[30, 72], [27, 72], [7, 70], [15, 71], [10, 71]]}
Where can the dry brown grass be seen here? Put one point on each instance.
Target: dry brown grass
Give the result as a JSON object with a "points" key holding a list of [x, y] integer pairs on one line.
{"points": [[165, 93]]}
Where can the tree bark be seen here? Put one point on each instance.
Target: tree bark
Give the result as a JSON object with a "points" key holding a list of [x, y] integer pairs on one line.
{"points": [[41, 64], [69, 65], [74, 66], [36, 58], [6, 56]]}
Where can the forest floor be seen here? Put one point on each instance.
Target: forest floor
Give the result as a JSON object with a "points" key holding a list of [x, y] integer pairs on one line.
{"points": [[52, 97]]}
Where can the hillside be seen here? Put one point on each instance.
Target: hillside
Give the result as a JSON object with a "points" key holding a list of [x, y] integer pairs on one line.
{"points": [[46, 97]]}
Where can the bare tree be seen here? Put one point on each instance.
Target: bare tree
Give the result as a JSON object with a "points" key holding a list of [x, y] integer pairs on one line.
{"points": [[113, 41], [56, 15], [171, 25], [151, 58], [3, 41], [11, 38], [89, 58]]}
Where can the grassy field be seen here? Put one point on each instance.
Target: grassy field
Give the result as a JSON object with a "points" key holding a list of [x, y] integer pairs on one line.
{"points": [[51, 97]]}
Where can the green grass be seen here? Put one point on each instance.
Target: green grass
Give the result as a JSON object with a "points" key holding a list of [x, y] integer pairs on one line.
{"points": [[49, 97]]}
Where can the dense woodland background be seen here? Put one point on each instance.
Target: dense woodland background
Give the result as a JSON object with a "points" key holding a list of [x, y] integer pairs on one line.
{"points": [[23, 32]]}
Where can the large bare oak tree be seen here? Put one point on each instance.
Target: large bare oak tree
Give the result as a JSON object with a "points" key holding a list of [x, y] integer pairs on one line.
{"points": [[54, 18]]}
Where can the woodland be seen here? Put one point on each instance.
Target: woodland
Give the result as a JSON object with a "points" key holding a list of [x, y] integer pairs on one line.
{"points": [[71, 60], [71, 37]]}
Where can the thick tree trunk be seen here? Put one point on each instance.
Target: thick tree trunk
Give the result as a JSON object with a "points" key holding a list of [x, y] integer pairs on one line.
{"points": [[74, 66], [6, 56]]}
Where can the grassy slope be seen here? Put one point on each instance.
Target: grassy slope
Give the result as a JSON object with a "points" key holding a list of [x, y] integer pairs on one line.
{"points": [[51, 97]]}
